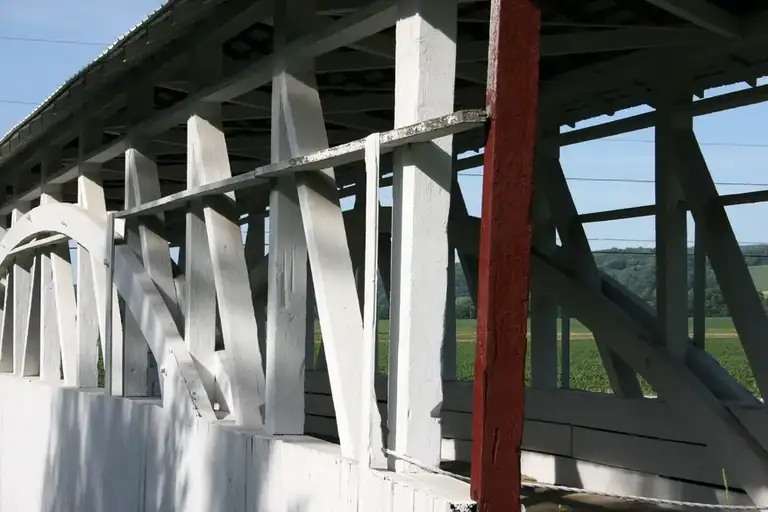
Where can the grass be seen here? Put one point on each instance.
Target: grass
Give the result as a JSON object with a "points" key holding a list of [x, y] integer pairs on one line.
{"points": [[587, 372], [760, 277]]}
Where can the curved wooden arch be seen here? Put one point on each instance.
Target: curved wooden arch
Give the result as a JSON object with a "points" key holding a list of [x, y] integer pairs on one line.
{"points": [[133, 284]]}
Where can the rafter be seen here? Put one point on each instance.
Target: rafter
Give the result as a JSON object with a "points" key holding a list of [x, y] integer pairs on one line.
{"points": [[703, 14]]}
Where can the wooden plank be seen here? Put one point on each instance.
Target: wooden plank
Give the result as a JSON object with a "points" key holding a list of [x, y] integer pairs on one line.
{"points": [[505, 242], [66, 312], [287, 288], [208, 161], [335, 291], [371, 436], [23, 275], [50, 338], [31, 363], [457, 122], [92, 283], [50, 343], [425, 69], [6, 333]]}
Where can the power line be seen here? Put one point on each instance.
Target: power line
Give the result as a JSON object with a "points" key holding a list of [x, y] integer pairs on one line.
{"points": [[19, 102], [722, 144], [51, 41]]}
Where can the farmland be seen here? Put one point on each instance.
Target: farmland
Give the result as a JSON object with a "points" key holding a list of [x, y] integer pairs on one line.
{"points": [[587, 372]]}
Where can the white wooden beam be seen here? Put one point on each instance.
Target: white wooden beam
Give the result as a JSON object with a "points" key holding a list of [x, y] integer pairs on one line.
{"points": [[287, 288], [51, 360], [31, 361], [425, 70], [287, 299], [702, 13], [23, 275], [208, 161], [6, 332], [334, 285], [371, 439]]}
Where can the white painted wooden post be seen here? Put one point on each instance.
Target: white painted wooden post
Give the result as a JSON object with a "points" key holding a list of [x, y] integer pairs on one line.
{"points": [[64, 307], [287, 288], [371, 440], [671, 222], [208, 160], [6, 318], [91, 272], [31, 362], [23, 275], [424, 88], [335, 291], [50, 337], [286, 309]]}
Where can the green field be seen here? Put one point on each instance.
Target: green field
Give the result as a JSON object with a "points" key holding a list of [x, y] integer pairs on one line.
{"points": [[587, 372], [760, 277]]}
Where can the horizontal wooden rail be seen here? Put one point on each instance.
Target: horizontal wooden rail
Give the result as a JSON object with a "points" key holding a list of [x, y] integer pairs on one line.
{"points": [[451, 124]]}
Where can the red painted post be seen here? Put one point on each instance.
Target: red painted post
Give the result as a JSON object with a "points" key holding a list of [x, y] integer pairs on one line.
{"points": [[505, 243]]}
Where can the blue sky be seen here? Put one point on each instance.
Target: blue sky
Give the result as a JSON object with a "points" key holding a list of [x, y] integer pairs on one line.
{"points": [[32, 70]]}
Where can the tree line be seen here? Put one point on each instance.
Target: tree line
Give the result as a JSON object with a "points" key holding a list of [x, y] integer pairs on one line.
{"points": [[634, 268]]}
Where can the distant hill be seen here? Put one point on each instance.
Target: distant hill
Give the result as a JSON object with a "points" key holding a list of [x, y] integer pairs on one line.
{"points": [[635, 268]]}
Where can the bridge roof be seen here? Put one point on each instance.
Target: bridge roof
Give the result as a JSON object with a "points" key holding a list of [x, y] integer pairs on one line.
{"points": [[598, 57]]}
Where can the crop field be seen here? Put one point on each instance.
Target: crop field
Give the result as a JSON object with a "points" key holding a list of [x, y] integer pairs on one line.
{"points": [[587, 372]]}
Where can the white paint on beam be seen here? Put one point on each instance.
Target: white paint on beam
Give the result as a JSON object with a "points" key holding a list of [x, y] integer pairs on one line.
{"points": [[424, 88], [371, 440], [208, 161], [335, 291], [23, 272], [50, 337], [136, 287], [287, 274], [31, 348]]}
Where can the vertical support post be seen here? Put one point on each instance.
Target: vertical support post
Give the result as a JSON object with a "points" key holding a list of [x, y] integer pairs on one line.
{"points": [[287, 288], [699, 287], [543, 309], [109, 245], [505, 244], [50, 336], [565, 350], [671, 222], [91, 273], [23, 273], [425, 71], [200, 299], [142, 184], [371, 441], [327, 246]]}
